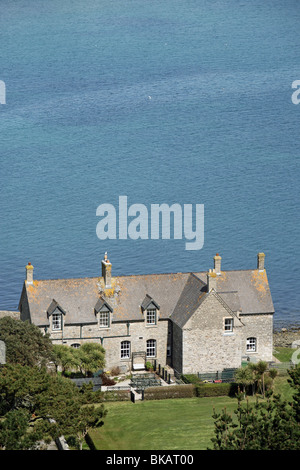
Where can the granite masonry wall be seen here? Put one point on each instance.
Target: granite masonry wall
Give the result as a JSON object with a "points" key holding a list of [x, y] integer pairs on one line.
{"points": [[259, 327], [207, 347], [136, 332]]}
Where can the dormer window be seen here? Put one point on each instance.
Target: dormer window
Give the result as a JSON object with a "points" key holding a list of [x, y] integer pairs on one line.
{"points": [[104, 318], [150, 310], [56, 321], [151, 316], [103, 312], [55, 314]]}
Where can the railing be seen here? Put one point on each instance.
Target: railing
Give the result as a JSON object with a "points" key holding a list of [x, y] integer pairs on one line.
{"points": [[282, 367], [117, 387]]}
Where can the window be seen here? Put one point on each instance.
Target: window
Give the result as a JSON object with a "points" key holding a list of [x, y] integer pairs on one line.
{"points": [[228, 325], [125, 349], [151, 348], [56, 321], [151, 316], [251, 344], [104, 319]]}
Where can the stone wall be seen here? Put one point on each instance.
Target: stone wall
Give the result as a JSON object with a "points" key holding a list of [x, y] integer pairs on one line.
{"points": [[2, 352], [207, 347], [136, 332], [9, 313], [261, 328]]}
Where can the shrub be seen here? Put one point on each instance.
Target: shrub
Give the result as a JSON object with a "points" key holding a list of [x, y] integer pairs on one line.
{"points": [[90, 397], [173, 391], [115, 395], [107, 380], [191, 379]]}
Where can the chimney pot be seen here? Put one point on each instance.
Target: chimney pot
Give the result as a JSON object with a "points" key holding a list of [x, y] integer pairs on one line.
{"points": [[106, 272], [29, 273], [217, 264], [261, 261], [211, 280]]}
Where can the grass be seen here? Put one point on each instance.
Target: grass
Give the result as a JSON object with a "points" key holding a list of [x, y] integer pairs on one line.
{"points": [[283, 354], [175, 424]]}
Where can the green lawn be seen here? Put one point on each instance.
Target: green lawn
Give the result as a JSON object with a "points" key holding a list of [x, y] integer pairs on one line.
{"points": [[175, 424], [283, 354]]}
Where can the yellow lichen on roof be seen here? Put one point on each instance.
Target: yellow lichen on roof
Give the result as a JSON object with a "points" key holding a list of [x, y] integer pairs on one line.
{"points": [[222, 277], [108, 292], [212, 274], [260, 281], [32, 291]]}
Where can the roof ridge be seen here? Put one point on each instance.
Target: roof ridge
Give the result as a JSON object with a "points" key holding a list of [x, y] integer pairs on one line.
{"points": [[194, 273]]}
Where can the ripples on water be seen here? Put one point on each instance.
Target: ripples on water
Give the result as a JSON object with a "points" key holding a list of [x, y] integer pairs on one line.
{"points": [[79, 129]]}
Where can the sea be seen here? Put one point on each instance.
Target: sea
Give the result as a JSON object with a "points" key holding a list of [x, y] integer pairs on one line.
{"points": [[164, 102]]}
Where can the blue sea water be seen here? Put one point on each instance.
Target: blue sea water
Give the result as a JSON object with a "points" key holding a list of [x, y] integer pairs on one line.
{"points": [[184, 102]]}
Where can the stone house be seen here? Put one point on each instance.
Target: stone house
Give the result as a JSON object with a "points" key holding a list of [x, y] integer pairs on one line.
{"points": [[192, 322]]}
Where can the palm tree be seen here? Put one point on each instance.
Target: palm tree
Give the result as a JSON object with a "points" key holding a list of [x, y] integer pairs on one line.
{"points": [[272, 374], [254, 376], [261, 368], [243, 376]]}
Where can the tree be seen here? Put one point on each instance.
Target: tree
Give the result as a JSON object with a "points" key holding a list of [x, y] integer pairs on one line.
{"points": [[262, 368], [48, 404], [88, 418], [294, 382], [25, 344], [255, 378], [273, 374], [91, 357], [273, 424], [243, 376], [66, 357]]}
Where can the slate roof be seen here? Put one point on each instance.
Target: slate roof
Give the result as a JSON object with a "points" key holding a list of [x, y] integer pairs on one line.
{"points": [[251, 287], [177, 295], [190, 299]]}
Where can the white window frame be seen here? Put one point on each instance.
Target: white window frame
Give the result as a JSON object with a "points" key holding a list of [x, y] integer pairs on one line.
{"points": [[151, 316], [104, 319], [56, 321], [125, 349], [228, 325], [151, 348], [251, 345]]}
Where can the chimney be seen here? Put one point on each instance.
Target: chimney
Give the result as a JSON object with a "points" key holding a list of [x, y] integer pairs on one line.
{"points": [[211, 280], [106, 272], [29, 273], [217, 264], [261, 261]]}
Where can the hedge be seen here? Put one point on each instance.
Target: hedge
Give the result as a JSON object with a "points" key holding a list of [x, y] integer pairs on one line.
{"points": [[216, 390], [172, 391], [101, 397]]}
